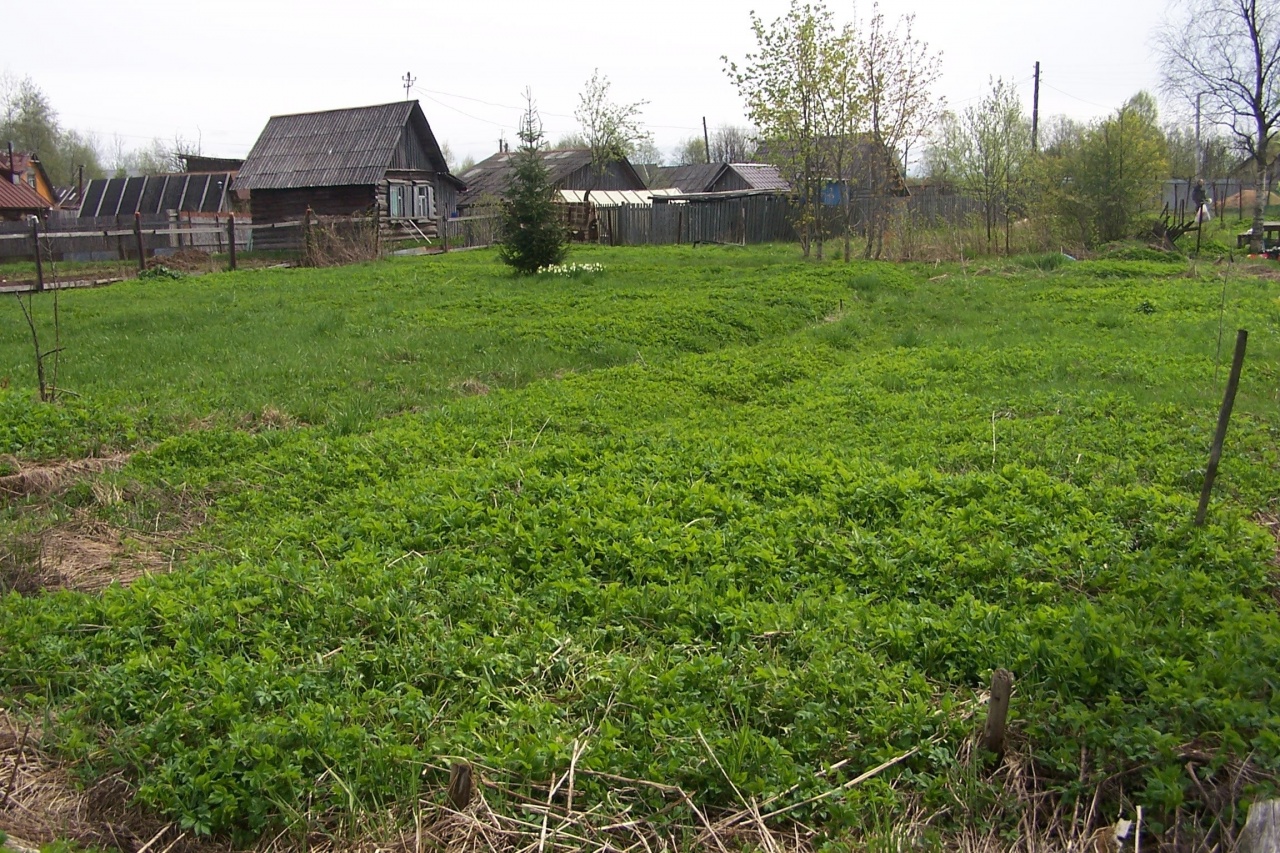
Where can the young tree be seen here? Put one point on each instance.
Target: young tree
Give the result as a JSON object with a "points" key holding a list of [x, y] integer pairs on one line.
{"points": [[611, 130], [984, 150], [784, 88], [532, 234], [691, 152], [1227, 54], [899, 73]]}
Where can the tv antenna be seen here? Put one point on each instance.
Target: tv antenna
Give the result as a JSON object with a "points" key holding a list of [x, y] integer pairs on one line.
{"points": [[409, 80]]}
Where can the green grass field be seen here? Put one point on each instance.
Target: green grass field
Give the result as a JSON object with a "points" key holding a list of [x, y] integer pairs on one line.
{"points": [[713, 518]]}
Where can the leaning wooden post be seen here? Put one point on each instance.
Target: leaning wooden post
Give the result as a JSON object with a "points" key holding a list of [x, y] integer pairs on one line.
{"points": [[1224, 418], [997, 711], [231, 241], [461, 785], [35, 246]]}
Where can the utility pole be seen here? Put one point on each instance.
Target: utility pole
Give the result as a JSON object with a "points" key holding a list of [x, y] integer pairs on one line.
{"points": [[1035, 113], [706, 138], [409, 80]]}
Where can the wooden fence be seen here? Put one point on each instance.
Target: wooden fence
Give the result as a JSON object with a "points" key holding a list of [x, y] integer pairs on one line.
{"points": [[118, 238], [748, 219], [471, 232]]}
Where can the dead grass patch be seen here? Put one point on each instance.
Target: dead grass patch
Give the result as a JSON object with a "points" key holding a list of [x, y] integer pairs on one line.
{"points": [[472, 387], [40, 802], [48, 478], [87, 555]]}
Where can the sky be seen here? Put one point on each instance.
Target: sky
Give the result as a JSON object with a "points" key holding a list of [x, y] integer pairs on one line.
{"points": [[213, 73]]}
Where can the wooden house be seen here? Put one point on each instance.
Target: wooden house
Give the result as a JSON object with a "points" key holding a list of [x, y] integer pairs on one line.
{"points": [[19, 201], [381, 160], [27, 169], [567, 169]]}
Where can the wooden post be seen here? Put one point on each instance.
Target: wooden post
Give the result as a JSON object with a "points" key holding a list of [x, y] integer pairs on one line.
{"points": [[997, 711], [444, 234], [306, 235], [1262, 830], [461, 785], [35, 244], [137, 233], [231, 241], [216, 223], [1224, 418]]}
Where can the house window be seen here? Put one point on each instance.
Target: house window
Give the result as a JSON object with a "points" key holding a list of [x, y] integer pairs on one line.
{"points": [[424, 201], [31, 178], [395, 201]]}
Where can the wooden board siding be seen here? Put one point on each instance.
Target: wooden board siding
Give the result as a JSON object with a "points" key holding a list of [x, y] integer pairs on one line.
{"points": [[270, 206], [411, 152], [729, 181]]}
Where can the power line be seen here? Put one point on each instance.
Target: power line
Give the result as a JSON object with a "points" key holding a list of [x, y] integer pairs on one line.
{"points": [[1075, 98]]}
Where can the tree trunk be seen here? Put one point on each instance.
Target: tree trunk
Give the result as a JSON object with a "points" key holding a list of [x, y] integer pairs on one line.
{"points": [[1257, 238]]}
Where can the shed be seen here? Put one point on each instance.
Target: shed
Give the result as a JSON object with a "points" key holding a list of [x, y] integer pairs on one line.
{"points": [[381, 159], [568, 169]]}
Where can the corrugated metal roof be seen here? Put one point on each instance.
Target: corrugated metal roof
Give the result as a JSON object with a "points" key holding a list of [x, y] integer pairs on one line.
{"points": [[491, 176], [695, 178], [20, 197], [761, 176], [615, 198], [334, 148]]}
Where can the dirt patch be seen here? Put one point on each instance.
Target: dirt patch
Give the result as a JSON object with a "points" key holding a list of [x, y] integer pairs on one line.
{"points": [[184, 260], [40, 802], [52, 477]]}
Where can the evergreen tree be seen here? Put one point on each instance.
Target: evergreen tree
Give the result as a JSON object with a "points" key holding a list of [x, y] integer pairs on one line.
{"points": [[533, 236]]}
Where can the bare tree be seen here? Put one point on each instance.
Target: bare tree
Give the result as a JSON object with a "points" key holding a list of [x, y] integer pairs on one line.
{"points": [[1227, 54], [731, 143]]}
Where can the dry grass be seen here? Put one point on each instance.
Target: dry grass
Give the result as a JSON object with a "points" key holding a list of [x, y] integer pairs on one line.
{"points": [[472, 387], [49, 478], [40, 802]]}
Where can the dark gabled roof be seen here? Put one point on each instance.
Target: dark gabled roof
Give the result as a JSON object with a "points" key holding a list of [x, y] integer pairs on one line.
{"points": [[337, 147], [21, 197], [696, 178], [491, 176]]}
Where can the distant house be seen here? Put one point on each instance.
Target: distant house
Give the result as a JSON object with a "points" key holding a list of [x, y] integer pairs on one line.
{"points": [[382, 159], [18, 201], [870, 169], [568, 169], [27, 169], [719, 178]]}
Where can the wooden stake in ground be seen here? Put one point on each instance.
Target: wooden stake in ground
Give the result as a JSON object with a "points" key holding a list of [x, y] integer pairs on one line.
{"points": [[1224, 418], [461, 785], [231, 241], [137, 234], [997, 711], [35, 243]]}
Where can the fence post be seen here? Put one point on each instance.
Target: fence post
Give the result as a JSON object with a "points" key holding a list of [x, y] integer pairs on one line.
{"points": [[231, 240], [306, 235], [35, 243], [444, 233], [137, 233]]}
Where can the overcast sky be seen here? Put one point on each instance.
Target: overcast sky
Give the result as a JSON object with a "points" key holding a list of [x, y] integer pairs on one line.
{"points": [[215, 71]]}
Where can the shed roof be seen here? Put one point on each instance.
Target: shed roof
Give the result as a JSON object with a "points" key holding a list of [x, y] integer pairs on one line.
{"points": [[345, 147], [21, 197], [199, 192], [695, 178], [492, 176], [614, 198], [761, 176]]}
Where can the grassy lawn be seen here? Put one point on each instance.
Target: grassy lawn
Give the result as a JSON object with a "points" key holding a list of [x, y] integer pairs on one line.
{"points": [[714, 518]]}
